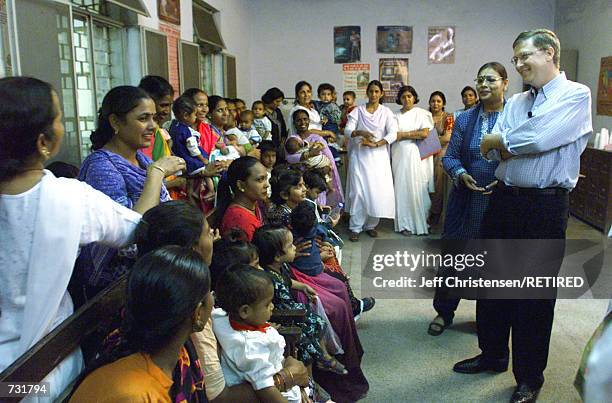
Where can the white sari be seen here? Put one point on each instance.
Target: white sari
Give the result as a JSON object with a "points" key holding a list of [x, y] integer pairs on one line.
{"points": [[67, 214], [369, 188], [410, 176]]}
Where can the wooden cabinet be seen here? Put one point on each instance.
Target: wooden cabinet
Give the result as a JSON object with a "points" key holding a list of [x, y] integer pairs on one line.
{"points": [[591, 199]]}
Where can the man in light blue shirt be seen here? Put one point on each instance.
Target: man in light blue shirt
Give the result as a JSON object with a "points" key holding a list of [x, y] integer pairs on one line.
{"points": [[539, 139]]}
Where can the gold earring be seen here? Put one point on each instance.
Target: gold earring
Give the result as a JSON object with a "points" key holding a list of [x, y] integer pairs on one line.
{"points": [[45, 152]]}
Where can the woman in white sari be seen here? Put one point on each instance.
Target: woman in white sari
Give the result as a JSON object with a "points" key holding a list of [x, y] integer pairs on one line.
{"points": [[409, 175], [45, 220], [370, 195]]}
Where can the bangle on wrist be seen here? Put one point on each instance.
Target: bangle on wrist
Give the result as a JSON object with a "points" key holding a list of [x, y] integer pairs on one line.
{"points": [[283, 381], [290, 375], [153, 166], [278, 381]]}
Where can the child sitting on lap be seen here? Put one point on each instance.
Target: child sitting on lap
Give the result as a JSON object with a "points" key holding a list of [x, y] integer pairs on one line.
{"points": [[275, 246], [251, 349], [246, 126], [304, 228], [311, 154], [330, 113], [262, 123], [186, 141]]}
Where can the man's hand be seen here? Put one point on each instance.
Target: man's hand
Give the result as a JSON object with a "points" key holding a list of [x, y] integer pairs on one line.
{"points": [[491, 141]]}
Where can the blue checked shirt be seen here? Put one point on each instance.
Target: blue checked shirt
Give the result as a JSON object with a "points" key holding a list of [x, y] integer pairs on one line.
{"points": [[547, 145]]}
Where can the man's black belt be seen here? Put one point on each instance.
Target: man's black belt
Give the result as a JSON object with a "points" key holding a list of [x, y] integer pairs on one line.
{"points": [[518, 191]]}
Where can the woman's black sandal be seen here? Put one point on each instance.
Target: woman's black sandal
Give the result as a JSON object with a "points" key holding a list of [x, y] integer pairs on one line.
{"points": [[437, 326]]}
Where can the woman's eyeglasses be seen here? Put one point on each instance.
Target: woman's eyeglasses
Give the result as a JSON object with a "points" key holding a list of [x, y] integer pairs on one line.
{"points": [[487, 79]]}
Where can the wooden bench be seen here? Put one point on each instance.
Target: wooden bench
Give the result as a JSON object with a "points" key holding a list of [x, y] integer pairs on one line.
{"points": [[91, 320], [92, 323]]}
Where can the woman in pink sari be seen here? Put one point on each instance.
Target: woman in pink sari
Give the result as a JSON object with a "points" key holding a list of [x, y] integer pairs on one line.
{"points": [[301, 121]]}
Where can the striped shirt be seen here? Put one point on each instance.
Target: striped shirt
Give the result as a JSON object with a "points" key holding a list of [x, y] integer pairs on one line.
{"points": [[547, 131]]}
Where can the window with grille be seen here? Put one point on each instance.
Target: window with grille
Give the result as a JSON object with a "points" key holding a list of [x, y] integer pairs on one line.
{"points": [[219, 74], [99, 66], [6, 64], [206, 69]]}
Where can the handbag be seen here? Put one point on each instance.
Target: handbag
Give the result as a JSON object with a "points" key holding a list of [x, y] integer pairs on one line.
{"points": [[430, 145]]}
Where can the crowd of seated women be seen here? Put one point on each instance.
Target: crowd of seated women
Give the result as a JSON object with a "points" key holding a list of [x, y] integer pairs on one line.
{"points": [[132, 209]]}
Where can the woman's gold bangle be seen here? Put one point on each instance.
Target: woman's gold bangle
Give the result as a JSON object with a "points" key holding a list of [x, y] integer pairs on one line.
{"points": [[159, 168], [291, 375]]}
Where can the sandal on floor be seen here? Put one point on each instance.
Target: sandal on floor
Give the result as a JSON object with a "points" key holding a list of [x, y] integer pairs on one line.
{"points": [[437, 326], [372, 233], [354, 237], [331, 365], [405, 232]]}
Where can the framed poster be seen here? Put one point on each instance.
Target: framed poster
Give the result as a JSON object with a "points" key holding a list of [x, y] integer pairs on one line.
{"points": [[393, 74], [356, 78], [441, 45], [169, 10], [347, 44], [604, 88], [393, 39]]}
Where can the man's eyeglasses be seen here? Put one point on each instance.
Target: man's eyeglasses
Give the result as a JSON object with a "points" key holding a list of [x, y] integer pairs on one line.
{"points": [[487, 79], [523, 57]]}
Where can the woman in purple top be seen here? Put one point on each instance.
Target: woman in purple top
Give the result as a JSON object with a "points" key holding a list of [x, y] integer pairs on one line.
{"points": [[301, 120], [120, 170]]}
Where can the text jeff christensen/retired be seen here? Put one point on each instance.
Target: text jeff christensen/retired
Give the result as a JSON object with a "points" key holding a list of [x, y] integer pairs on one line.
{"points": [[454, 282]]}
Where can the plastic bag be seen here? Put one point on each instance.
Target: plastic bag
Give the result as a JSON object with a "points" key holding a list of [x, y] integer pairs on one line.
{"points": [[329, 336]]}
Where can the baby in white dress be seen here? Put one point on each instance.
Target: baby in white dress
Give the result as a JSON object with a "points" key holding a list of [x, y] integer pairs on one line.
{"points": [[251, 349]]}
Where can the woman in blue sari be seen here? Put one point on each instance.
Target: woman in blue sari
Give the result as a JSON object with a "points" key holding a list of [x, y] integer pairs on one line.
{"points": [[472, 175], [118, 168]]}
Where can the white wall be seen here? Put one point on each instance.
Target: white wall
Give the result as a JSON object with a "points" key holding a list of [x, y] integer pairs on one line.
{"points": [[586, 25], [234, 22], [292, 40]]}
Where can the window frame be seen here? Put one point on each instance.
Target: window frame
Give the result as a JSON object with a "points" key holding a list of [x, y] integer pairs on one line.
{"points": [[182, 66], [12, 50], [144, 54], [91, 18]]}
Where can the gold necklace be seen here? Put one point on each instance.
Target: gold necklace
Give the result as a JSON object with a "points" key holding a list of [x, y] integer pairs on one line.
{"points": [[252, 210]]}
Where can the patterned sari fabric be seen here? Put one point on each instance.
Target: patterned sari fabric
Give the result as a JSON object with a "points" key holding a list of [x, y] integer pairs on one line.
{"points": [[99, 265], [188, 377], [308, 348], [332, 267]]}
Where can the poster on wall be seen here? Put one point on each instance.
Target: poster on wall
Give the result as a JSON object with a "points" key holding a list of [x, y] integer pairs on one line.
{"points": [[604, 88], [393, 74], [393, 39], [347, 44], [441, 45], [169, 10], [356, 77]]}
